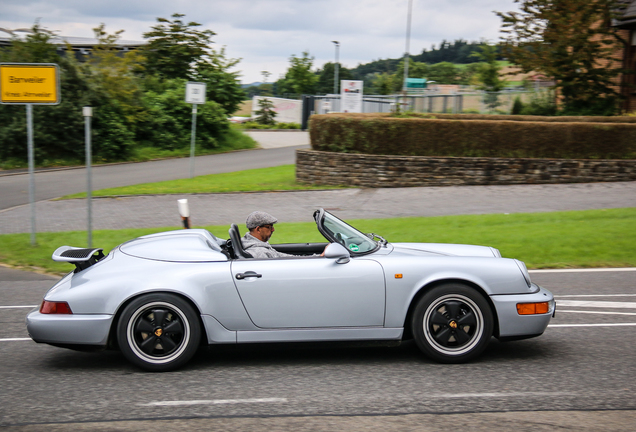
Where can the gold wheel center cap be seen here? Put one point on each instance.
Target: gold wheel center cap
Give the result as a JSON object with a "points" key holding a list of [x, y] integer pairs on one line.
{"points": [[158, 332], [453, 324]]}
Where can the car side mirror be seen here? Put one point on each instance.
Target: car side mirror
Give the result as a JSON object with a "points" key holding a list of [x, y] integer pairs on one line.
{"points": [[338, 252]]}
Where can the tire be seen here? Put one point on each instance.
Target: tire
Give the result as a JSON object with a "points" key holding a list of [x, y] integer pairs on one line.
{"points": [[158, 332], [452, 323]]}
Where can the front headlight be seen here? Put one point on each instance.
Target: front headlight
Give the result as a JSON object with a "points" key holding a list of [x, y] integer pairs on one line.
{"points": [[524, 272]]}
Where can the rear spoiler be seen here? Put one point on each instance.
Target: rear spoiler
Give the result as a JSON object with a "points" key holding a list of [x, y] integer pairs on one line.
{"points": [[82, 258]]}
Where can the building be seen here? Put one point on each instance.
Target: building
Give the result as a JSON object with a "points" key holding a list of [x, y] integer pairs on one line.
{"points": [[626, 23], [82, 46]]}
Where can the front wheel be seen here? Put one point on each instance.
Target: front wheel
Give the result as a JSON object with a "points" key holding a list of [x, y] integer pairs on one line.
{"points": [[452, 323], [158, 332]]}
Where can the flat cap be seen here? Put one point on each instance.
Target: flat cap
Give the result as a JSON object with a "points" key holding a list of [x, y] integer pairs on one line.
{"points": [[259, 218]]}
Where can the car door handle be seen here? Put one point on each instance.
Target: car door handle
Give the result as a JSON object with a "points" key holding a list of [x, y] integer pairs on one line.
{"points": [[248, 274]]}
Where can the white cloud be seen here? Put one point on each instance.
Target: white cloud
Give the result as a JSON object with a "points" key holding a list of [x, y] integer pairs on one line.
{"points": [[265, 33]]}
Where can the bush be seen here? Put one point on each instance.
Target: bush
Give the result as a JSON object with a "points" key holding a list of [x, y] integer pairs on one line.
{"points": [[255, 125], [494, 137], [517, 106], [170, 121]]}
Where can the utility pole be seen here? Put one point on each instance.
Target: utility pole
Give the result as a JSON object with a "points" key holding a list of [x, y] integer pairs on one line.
{"points": [[335, 70], [406, 52]]}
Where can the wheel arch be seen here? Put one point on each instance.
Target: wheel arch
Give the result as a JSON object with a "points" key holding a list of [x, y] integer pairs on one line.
{"points": [[408, 331], [112, 332]]}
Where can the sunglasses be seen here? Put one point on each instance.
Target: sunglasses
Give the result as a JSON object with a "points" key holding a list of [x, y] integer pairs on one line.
{"points": [[269, 227]]}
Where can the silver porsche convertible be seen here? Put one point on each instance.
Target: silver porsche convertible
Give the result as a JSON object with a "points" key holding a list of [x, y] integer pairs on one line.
{"points": [[159, 297]]}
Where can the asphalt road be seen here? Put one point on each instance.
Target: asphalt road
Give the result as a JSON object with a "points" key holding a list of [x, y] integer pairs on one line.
{"points": [[55, 183], [579, 376]]}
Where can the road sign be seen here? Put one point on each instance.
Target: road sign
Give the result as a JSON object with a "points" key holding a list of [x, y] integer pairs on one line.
{"points": [[29, 83], [195, 93], [351, 96]]}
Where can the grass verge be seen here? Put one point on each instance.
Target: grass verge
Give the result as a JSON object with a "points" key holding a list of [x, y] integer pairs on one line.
{"points": [[255, 180], [576, 239]]}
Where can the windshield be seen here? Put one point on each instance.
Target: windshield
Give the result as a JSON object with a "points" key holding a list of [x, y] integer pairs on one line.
{"points": [[346, 235]]}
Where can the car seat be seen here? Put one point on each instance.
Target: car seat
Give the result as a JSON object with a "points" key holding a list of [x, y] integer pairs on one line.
{"points": [[235, 244]]}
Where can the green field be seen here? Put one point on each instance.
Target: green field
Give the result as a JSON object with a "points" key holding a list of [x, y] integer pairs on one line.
{"points": [[262, 179], [576, 239]]}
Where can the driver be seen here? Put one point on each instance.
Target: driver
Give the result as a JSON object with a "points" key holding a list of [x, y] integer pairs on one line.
{"points": [[255, 242]]}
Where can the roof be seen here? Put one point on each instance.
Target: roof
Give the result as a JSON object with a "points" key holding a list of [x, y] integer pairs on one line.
{"points": [[6, 35], [627, 14]]}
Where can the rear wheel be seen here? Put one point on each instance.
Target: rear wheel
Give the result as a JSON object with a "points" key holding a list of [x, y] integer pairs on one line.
{"points": [[158, 332], [452, 323]]}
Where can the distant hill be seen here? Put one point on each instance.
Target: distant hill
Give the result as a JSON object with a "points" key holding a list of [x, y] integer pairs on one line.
{"points": [[254, 84], [459, 52]]}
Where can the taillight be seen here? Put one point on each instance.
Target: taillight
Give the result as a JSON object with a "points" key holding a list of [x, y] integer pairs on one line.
{"points": [[55, 308]]}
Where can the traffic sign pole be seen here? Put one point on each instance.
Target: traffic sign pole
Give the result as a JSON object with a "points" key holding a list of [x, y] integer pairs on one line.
{"points": [[192, 139], [88, 114], [30, 84], [29, 113], [195, 95]]}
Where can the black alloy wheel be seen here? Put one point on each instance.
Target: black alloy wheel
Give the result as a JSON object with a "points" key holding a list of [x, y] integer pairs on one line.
{"points": [[452, 323], [158, 332]]}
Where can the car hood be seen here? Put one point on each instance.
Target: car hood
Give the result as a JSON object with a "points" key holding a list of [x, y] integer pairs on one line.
{"points": [[194, 245], [447, 249]]}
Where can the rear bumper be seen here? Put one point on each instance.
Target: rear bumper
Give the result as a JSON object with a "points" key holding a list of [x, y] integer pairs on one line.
{"points": [[515, 326], [69, 329]]}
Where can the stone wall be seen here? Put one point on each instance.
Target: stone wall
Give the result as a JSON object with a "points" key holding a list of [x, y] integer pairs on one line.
{"points": [[329, 168]]}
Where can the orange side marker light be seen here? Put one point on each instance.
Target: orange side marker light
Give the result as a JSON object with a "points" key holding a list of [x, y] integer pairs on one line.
{"points": [[533, 308]]}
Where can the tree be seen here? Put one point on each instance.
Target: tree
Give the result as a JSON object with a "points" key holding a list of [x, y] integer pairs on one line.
{"points": [[58, 130], [179, 50], [174, 47], [299, 78], [265, 114], [488, 75], [571, 41], [326, 77], [384, 84], [222, 86]]}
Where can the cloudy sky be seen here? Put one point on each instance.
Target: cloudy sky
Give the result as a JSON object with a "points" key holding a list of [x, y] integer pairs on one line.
{"points": [[265, 33]]}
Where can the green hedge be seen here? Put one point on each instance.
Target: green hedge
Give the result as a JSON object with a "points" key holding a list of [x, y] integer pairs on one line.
{"points": [[552, 119], [482, 136]]}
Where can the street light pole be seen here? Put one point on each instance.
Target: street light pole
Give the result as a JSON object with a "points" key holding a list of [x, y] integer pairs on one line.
{"points": [[335, 70], [406, 53]]}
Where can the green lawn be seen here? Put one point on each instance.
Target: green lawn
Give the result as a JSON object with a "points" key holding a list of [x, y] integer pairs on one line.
{"points": [[592, 238], [262, 179]]}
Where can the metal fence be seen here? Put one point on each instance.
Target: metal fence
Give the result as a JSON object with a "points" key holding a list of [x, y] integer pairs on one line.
{"points": [[474, 102]]}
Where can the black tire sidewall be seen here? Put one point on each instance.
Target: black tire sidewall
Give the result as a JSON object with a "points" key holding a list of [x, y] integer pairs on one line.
{"points": [[433, 295], [192, 343]]}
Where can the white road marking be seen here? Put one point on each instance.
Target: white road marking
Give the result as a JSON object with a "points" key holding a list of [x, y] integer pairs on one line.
{"points": [[590, 270], [597, 312], [596, 304], [594, 325], [214, 402], [14, 339], [493, 395], [595, 295], [16, 307]]}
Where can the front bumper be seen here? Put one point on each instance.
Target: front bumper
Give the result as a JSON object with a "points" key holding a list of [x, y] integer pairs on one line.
{"points": [[511, 324], [68, 329]]}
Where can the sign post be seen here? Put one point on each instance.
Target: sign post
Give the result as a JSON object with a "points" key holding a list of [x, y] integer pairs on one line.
{"points": [[351, 96], [88, 114], [30, 84], [195, 95]]}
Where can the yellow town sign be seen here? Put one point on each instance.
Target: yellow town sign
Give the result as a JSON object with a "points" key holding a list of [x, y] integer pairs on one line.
{"points": [[29, 83]]}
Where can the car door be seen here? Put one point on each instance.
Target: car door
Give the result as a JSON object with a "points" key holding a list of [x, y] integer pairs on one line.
{"points": [[312, 292]]}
